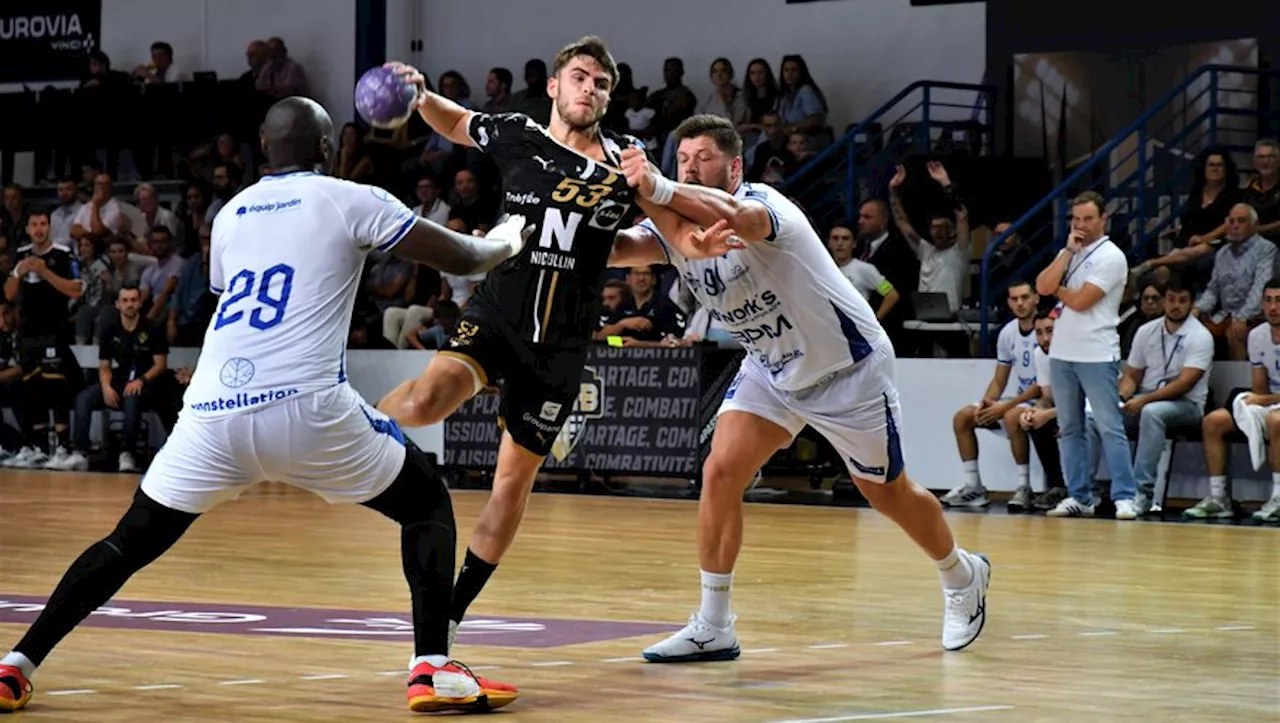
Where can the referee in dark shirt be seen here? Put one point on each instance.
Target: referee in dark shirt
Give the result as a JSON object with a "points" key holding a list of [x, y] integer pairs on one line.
{"points": [[132, 365], [44, 280]]}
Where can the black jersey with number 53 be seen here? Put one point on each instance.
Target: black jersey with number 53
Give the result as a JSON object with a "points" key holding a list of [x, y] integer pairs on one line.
{"points": [[550, 293]]}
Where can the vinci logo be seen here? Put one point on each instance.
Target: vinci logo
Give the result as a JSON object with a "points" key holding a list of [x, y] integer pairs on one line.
{"points": [[270, 207]]}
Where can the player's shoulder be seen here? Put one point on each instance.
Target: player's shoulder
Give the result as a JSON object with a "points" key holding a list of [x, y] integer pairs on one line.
{"points": [[1260, 335], [615, 142], [24, 249], [1197, 331], [1147, 330], [1009, 330], [64, 248]]}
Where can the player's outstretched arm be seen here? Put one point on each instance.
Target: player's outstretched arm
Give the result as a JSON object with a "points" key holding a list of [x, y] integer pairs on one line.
{"points": [[455, 253], [443, 115], [639, 246], [702, 205]]}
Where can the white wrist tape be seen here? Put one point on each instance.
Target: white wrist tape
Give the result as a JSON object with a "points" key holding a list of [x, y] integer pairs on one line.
{"points": [[663, 189]]}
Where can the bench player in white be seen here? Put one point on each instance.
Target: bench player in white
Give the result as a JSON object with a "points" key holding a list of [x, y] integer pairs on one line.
{"points": [[270, 400], [815, 355]]}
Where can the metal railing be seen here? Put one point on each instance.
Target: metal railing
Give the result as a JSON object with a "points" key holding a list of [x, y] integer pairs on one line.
{"points": [[925, 116], [1143, 171]]}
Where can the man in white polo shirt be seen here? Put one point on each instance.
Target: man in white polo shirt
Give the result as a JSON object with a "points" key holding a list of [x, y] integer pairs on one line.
{"points": [[1165, 383], [1088, 277]]}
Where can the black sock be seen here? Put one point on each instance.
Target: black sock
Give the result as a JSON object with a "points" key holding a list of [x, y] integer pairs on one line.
{"points": [[428, 552], [475, 573]]}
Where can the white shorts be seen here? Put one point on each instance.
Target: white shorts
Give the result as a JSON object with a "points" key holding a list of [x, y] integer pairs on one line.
{"points": [[857, 410], [329, 442]]}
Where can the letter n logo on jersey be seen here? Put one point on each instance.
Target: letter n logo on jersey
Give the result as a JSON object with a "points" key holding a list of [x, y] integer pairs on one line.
{"points": [[588, 405], [558, 229]]}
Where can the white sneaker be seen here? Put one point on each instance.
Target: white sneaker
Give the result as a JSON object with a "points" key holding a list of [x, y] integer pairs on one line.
{"points": [[126, 463], [967, 496], [1021, 500], [1126, 510], [1270, 511], [699, 641], [966, 610], [450, 684], [59, 458], [453, 635], [1217, 508], [75, 461], [22, 460], [1070, 507]]}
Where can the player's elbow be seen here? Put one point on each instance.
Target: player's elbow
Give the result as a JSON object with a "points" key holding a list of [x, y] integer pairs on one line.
{"points": [[753, 222]]}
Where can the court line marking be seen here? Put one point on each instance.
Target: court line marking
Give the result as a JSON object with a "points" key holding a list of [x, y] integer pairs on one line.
{"points": [[828, 646], [1166, 631], [1097, 633], [82, 691], [904, 714], [1234, 627], [251, 681], [323, 676], [760, 650], [889, 643], [550, 664], [628, 659], [394, 672], [163, 686], [1028, 637]]}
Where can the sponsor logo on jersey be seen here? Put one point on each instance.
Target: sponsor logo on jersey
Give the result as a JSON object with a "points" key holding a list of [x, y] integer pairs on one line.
{"points": [[241, 401], [737, 272], [750, 310], [775, 367], [875, 471], [523, 199], [270, 207], [550, 410], [589, 405], [609, 215], [769, 330]]}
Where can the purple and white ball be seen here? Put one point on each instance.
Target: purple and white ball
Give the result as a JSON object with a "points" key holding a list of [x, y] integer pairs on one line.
{"points": [[384, 99]]}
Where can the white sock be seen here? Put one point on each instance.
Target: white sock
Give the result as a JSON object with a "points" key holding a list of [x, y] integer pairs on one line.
{"points": [[1024, 475], [971, 476], [716, 590], [438, 661], [1275, 484], [955, 571], [1218, 486], [21, 662]]}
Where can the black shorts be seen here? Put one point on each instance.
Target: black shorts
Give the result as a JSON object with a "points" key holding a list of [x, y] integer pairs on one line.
{"points": [[50, 358], [540, 382]]}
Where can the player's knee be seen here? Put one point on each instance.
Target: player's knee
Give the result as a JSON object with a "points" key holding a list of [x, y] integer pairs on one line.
{"points": [[964, 420], [724, 477], [146, 531], [1273, 425], [1013, 421], [1218, 423]]}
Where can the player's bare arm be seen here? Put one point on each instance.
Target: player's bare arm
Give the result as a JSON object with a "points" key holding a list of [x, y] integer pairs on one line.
{"points": [[456, 253], [702, 205], [637, 246], [443, 115]]}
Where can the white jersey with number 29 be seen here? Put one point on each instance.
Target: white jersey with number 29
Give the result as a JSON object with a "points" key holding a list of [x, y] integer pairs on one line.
{"points": [[286, 258], [784, 299]]}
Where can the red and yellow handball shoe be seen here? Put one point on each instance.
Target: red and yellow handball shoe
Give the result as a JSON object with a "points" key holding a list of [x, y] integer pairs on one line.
{"points": [[15, 689], [455, 687]]}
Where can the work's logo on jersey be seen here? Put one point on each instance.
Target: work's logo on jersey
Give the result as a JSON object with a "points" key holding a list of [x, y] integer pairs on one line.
{"points": [[292, 204], [753, 308], [589, 405], [609, 215]]}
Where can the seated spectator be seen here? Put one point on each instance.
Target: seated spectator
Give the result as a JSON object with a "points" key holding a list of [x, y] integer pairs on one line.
{"points": [[121, 271], [281, 76], [497, 89], [1164, 386], [673, 102], [102, 216], [227, 180], [798, 144], [1041, 421], [354, 162], [944, 257], [133, 358], [533, 101], [64, 214], [153, 214], [44, 281], [93, 270], [1010, 255], [726, 99], [1215, 190], [437, 335], [160, 280], [161, 68], [1150, 307], [10, 379], [476, 212], [1255, 413], [430, 205], [801, 104], [1233, 298], [641, 119], [646, 319], [193, 303], [772, 152], [13, 215], [1263, 192], [1011, 389], [866, 278]]}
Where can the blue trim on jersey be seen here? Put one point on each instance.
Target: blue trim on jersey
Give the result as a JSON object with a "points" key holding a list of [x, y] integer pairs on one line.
{"points": [[1004, 361], [280, 176], [763, 198], [859, 347], [216, 291], [385, 426], [342, 366], [400, 233], [896, 465]]}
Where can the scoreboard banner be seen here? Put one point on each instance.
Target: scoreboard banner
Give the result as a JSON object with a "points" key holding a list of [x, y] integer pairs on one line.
{"points": [[637, 413], [47, 40]]}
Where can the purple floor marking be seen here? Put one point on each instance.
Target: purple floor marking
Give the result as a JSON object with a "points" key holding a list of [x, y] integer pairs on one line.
{"points": [[331, 623]]}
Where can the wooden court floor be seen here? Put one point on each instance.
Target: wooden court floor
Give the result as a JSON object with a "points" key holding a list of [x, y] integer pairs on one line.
{"points": [[279, 607]]}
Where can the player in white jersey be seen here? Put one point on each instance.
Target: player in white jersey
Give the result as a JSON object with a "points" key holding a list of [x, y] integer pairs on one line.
{"points": [[269, 400], [1011, 389], [815, 355], [1256, 413]]}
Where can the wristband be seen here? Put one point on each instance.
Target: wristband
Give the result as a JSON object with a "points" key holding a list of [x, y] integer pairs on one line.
{"points": [[663, 189]]}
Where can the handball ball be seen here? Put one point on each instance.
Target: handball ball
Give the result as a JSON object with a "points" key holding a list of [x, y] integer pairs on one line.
{"points": [[384, 99]]}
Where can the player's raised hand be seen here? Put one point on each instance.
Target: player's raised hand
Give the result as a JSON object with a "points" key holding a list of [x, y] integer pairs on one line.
{"points": [[513, 230], [412, 76], [717, 239], [635, 166]]}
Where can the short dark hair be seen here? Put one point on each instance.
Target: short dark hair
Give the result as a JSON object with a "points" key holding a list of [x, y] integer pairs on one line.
{"points": [[721, 130], [503, 75], [234, 171], [1175, 285], [1274, 283], [39, 211], [161, 45], [1021, 282], [1091, 197], [161, 229], [1157, 285], [1042, 314], [840, 224], [619, 285], [594, 48], [131, 286]]}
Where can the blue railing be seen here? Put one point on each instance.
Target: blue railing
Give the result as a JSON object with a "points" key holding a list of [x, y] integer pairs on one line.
{"points": [[921, 117], [1144, 171]]}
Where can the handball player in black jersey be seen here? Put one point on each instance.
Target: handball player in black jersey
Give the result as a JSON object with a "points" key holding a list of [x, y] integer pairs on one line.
{"points": [[530, 321]]}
